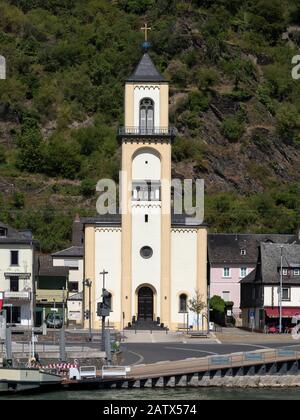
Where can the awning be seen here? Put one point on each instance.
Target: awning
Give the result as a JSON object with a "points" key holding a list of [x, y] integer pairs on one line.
{"points": [[286, 312]]}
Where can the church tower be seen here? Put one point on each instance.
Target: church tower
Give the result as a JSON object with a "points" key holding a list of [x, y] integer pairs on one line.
{"points": [[146, 196], [154, 261]]}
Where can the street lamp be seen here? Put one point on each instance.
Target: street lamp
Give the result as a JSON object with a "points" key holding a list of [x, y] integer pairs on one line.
{"points": [[88, 283], [280, 290]]}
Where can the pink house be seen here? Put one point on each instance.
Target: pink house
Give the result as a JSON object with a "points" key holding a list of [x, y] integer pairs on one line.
{"points": [[231, 258]]}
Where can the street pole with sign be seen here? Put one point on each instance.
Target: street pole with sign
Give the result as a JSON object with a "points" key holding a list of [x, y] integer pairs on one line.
{"points": [[280, 290], [88, 284]]}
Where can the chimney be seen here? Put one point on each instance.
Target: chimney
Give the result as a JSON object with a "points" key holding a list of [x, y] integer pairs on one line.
{"points": [[77, 233]]}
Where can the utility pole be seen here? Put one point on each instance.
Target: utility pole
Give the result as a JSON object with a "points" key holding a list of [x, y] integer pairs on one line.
{"points": [[280, 289], [62, 341], [88, 283], [103, 274]]}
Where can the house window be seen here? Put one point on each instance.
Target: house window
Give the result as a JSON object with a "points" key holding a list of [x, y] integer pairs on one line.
{"points": [[73, 286], [226, 296], [296, 272], [146, 218], [286, 294], [146, 116], [14, 284], [243, 252], [244, 272], [14, 257], [3, 232], [285, 272], [13, 314], [183, 306], [226, 272]]}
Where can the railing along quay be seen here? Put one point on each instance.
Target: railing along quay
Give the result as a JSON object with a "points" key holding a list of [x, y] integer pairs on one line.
{"points": [[190, 372]]}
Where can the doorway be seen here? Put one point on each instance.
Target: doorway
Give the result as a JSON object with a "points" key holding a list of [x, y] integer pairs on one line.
{"points": [[145, 304]]}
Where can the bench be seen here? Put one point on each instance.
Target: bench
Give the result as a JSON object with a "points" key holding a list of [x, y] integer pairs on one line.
{"points": [[198, 334], [115, 371]]}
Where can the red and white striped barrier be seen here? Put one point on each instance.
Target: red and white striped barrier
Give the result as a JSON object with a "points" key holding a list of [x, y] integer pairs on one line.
{"points": [[61, 366]]}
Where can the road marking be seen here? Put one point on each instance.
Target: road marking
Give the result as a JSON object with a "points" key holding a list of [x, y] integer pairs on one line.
{"points": [[140, 358], [195, 350], [250, 345]]}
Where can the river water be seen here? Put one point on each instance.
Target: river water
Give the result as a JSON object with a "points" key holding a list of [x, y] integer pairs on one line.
{"points": [[200, 394]]}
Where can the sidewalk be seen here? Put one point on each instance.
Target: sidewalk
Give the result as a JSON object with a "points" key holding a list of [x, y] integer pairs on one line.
{"points": [[163, 337], [236, 335]]}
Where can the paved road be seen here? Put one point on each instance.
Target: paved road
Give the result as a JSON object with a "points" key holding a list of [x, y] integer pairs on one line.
{"points": [[135, 353]]}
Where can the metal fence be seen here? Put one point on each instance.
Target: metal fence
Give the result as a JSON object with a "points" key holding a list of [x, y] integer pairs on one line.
{"points": [[260, 357]]}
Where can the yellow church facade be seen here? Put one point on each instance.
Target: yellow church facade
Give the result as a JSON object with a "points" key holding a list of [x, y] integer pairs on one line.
{"points": [[155, 261]]}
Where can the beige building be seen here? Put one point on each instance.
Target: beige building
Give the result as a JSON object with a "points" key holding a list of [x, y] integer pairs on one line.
{"points": [[155, 261]]}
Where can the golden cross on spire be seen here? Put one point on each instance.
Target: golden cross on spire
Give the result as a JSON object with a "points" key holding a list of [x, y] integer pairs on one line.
{"points": [[146, 29]]}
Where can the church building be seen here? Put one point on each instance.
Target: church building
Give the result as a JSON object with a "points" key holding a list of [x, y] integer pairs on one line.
{"points": [[155, 261]]}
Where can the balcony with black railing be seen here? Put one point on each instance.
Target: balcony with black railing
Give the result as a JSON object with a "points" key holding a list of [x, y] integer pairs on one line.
{"points": [[147, 132]]}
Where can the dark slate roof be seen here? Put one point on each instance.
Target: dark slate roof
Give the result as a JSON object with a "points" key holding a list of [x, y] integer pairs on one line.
{"points": [[78, 296], [107, 220], [250, 278], [271, 262], [74, 251], [45, 267], [226, 248], [116, 220], [146, 72], [16, 236]]}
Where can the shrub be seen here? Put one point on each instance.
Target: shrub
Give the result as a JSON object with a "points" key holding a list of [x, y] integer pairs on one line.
{"points": [[88, 188], [232, 129], [18, 200], [2, 155]]}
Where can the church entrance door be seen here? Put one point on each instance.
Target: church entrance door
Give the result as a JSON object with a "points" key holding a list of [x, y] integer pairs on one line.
{"points": [[145, 304]]}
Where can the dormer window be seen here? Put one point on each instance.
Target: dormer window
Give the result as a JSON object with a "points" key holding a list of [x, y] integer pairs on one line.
{"points": [[285, 272], [243, 252], [3, 232], [297, 272]]}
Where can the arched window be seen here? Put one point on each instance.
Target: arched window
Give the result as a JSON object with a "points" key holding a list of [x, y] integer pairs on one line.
{"points": [[183, 303], [146, 116]]}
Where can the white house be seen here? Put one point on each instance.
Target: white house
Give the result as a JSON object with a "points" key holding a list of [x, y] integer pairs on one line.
{"points": [[260, 290], [72, 258], [17, 274]]}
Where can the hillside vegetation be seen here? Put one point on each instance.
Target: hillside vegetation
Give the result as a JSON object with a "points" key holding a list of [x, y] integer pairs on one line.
{"points": [[233, 101]]}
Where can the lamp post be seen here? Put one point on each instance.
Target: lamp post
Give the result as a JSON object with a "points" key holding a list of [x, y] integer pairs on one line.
{"points": [[88, 283], [103, 274], [280, 289]]}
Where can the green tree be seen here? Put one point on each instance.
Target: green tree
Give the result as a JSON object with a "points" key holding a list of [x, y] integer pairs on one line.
{"points": [[62, 158], [88, 188], [197, 305], [30, 155]]}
